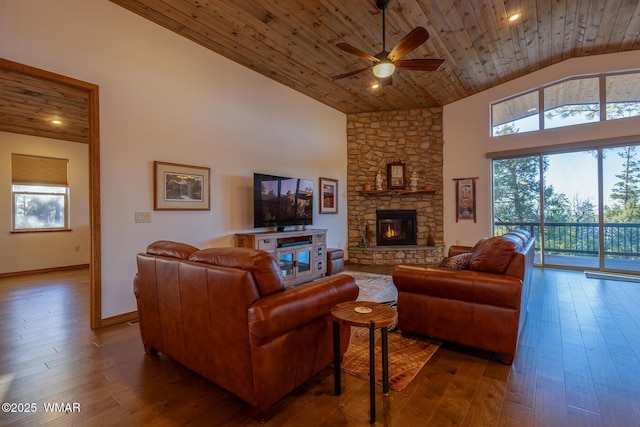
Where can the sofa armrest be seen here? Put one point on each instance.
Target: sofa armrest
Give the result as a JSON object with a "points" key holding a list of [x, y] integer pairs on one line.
{"points": [[462, 285], [282, 312], [457, 250]]}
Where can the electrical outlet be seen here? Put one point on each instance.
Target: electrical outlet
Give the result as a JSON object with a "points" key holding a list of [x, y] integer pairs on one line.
{"points": [[143, 217]]}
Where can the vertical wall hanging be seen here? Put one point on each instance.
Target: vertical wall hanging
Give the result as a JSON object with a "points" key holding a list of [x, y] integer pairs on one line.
{"points": [[465, 198]]}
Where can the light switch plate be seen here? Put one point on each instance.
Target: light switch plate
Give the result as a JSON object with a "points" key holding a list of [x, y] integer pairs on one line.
{"points": [[142, 217]]}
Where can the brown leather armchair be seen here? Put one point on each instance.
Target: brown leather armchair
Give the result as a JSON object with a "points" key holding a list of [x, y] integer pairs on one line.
{"points": [[481, 303], [226, 314]]}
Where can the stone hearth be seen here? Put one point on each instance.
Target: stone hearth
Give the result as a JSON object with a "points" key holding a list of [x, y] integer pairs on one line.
{"points": [[413, 137], [395, 255]]}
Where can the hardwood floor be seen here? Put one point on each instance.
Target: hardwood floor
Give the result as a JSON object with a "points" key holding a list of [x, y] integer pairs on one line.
{"points": [[578, 364]]}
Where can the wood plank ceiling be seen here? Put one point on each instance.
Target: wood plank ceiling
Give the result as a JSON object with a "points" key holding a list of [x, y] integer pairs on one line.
{"points": [[30, 104], [294, 41]]}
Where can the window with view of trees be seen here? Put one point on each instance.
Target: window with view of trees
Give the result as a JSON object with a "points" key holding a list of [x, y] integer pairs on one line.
{"points": [[571, 102], [40, 193], [565, 216]]}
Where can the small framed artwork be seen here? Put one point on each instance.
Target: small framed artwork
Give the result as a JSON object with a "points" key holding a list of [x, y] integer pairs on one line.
{"points": [[465, 198], [395, 175], [328, 196], [180, 187]]}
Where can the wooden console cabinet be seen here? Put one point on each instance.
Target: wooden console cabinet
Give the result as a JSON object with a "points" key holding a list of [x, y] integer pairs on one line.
{"points": [[301, 254]]}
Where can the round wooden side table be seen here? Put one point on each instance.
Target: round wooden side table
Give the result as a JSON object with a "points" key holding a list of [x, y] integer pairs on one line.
{"points": [[370, 315]]}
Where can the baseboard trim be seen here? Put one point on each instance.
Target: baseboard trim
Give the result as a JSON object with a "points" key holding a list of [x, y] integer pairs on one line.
{"points": [[43, 270], [120, 318]]}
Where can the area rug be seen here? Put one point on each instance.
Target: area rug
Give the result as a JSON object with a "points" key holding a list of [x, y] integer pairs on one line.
{"points": [[375, 287], [406, 355]]}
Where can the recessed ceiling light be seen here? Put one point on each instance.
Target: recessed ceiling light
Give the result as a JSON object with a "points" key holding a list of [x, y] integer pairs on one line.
{"points": [[56, 122], [514, 17]]}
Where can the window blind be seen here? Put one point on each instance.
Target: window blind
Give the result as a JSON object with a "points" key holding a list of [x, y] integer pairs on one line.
{"points": [[35, 170]]}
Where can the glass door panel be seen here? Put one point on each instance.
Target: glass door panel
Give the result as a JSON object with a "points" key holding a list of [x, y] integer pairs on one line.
{"points": [[621, 195], [516, 197], [570, 213], [285, 260], [304, 261]]}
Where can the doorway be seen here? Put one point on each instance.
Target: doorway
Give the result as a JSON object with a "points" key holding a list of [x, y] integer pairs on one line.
{"points": [[93, 139]]}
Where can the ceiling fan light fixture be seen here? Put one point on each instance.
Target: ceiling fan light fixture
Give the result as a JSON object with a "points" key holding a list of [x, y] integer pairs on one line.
{"points": [[383, 69]]}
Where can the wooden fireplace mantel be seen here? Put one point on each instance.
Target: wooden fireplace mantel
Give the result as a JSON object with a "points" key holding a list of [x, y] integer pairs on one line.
{"points": [[397, 192]]}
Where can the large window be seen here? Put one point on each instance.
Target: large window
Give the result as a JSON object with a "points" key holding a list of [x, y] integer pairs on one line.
{"points": [[573, 101], [623, 96], [40, 193], [583, 206], [516, 115]]}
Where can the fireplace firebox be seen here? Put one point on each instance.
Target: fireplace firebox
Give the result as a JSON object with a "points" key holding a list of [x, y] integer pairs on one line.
{"points": [[396, 227]]}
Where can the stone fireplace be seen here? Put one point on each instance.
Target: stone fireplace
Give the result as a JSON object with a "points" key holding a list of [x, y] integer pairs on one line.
{"points": [[413, 137], [396, 227]]}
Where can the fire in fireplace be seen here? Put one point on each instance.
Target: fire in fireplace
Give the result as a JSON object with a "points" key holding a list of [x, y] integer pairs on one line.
{"points": [[396, 227]]}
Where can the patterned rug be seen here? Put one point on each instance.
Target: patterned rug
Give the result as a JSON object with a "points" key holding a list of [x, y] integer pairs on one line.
{"points": [[375, 287], [406, 355]]}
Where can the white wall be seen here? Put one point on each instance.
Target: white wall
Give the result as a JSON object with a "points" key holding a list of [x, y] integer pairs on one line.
{"points": [[34, 251], [467, 137], [165, 98]]}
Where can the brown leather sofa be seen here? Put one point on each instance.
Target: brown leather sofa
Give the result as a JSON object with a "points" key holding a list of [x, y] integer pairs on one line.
{"points": [[479, 301], [226, 314]]}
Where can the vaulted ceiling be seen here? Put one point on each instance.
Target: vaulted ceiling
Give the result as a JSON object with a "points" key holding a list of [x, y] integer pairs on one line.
{"points": [[294, 41]]}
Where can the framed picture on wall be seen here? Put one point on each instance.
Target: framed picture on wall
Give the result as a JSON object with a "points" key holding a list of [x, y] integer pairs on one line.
{"points": [[180, 187], [328, 196], [465, 198]]}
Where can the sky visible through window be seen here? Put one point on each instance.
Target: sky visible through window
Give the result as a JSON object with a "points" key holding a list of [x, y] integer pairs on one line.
{"points": [[577, 173]]}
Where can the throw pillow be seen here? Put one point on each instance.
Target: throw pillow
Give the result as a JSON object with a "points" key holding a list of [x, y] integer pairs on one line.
{"points": [[493, 255], [456, 262]]}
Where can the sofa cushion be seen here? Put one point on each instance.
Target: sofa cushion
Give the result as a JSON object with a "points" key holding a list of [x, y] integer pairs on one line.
{"points": [[494, 254], [262, 266], [171, 249], [456, 262]]}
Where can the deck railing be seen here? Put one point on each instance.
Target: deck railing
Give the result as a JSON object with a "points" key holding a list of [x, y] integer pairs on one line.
{"points": [[621, 240]]}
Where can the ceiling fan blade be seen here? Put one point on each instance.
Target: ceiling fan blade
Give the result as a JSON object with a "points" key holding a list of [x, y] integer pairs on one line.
{"points": [[411, 41], [350, 73], [357, 52], [419, 64]]}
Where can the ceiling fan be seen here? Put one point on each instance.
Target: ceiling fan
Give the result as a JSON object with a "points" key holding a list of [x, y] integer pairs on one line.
{"points": [[385, 63]]}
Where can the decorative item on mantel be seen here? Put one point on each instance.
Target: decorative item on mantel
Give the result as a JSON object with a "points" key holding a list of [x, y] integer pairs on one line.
{"points": [[379, 181], [413, 183], [395, 175]]}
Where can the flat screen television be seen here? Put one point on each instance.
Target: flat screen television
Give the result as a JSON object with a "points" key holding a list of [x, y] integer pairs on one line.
{"points": [[280, 202]]}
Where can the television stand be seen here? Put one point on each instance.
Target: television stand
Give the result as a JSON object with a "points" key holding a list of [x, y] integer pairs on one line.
{"points": [[300, 254]]}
